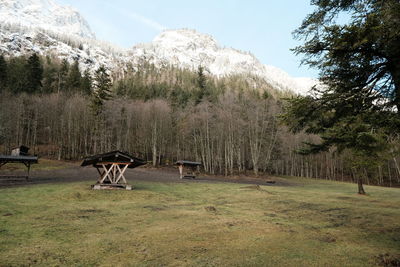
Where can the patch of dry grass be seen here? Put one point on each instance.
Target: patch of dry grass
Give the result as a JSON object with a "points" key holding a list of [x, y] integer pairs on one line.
{"points": [[314, 223]]}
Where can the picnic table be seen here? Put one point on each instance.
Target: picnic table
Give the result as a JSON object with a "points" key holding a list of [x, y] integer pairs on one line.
{"points": [[111, 167], [192, 165], [23, 159]]}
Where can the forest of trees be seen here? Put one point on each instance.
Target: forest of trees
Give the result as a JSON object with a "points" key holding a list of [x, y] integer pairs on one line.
{"points": [[231, 124]]}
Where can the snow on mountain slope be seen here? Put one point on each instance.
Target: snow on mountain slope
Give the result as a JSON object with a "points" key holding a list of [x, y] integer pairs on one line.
{"points": [[90, 54], [44, 14], [45, 27], [187, 48]]}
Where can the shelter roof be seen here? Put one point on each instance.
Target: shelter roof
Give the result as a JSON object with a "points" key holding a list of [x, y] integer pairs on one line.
{"points": [[188, 163], [113, 157], [16, 159]]}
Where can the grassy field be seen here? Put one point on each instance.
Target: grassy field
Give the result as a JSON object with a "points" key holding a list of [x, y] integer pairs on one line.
{"points": [[310, 223]]}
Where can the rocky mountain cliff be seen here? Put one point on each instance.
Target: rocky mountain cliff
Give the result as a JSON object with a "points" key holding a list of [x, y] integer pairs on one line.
{"points": [[45, 27]]}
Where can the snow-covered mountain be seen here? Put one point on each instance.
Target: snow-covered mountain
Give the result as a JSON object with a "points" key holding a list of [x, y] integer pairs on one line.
{"points": [[188, 48], [48, 28], [44, 14], [45, 27], [91, 54]]}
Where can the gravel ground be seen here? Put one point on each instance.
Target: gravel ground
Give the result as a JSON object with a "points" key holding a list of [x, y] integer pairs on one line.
{"points": [[163, 175]]}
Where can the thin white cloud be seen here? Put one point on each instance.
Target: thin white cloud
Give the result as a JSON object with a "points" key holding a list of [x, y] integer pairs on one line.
{"points": [[139, 18], [149, 22]]}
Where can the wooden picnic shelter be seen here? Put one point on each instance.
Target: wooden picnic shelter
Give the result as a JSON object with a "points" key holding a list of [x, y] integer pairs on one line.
{"points": [[111, 167], [191, 165]]}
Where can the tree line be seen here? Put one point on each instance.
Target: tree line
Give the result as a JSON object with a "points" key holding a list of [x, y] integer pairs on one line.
{"points": [[44, 75], [230, 124], [357, 110]]}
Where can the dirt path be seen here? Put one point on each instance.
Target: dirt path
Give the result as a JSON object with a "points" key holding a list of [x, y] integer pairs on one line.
{"points": [[163, 175]]}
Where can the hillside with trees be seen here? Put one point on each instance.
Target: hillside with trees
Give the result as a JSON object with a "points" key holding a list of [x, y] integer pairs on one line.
{"points": [[231, 124]]}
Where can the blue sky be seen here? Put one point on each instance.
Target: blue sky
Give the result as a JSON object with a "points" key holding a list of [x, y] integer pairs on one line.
{"points": [[262, 27]]}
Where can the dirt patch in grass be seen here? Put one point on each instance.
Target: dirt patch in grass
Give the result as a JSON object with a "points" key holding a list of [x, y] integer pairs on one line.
{"points": [[333, 209], [356, 197], [91, 211], [246, 179], [210, 209], [254, 187], [155, 208], [388, 260], [338, 220], [309, 206], [327, 238], [83, 213]]}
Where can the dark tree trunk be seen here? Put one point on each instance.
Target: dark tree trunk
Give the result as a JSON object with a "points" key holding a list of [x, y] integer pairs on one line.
{"points": [[360, 186], [397, 92], [395, 72]]}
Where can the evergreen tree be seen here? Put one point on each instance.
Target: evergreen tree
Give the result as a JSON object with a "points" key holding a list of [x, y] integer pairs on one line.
{"points": [[201, 78], [179, 97], [34, 74], [3, 73], [17, 74], [201, 82], [74, 78], [358, 105], [62, 76], [102, 85], [359, 59], [50, 76], [86, 83]]}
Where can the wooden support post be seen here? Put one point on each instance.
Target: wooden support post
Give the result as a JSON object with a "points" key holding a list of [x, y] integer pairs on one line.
{"points": [[29, 168], [181, 171], [113, 173], [106, 174], [121, 173], [114, 166], [27, 165]]}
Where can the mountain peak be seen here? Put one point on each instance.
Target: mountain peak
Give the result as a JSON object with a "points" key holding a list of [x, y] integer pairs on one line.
{"points": [[45, 14], [185, 38], [187, 48]]}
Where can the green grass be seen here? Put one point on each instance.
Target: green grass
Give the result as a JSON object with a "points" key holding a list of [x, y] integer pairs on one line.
{"points": [[312, 223]]}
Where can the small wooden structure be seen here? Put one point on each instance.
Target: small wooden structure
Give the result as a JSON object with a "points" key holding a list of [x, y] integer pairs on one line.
{"points": [[192, 165], [18, 155], [20, 151], [111, 167]]}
